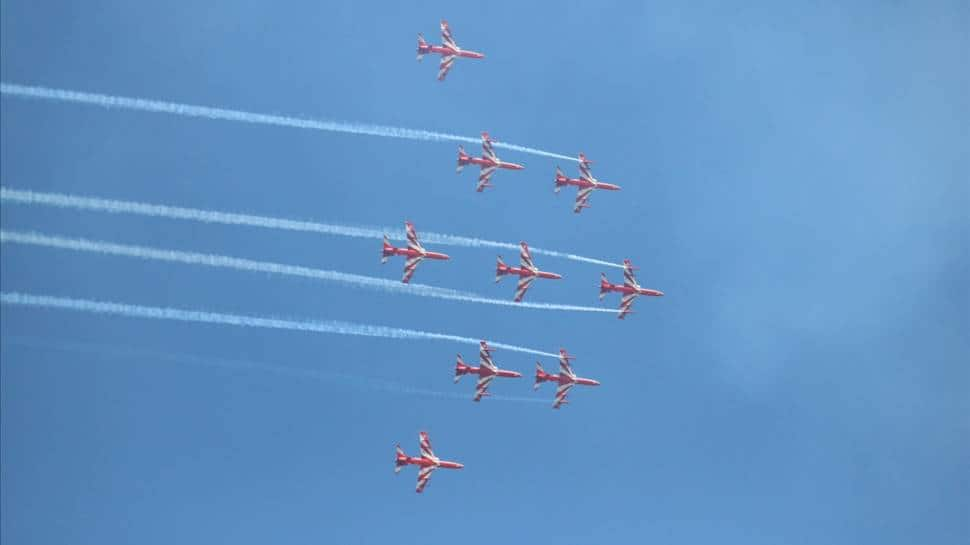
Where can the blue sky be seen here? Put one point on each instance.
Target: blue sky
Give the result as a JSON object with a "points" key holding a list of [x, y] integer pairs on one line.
{"points": [[794, 179]]}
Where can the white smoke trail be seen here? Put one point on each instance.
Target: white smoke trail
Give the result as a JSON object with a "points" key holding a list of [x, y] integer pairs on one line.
{"points": [[197, 316], [94, 204], [189, 110], [228, 262], [139, 355]]}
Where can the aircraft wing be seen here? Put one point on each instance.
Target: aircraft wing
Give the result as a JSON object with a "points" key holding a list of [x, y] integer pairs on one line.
{"points": [[629, 279], [525, 257], [626, 303], [584, 169], [424, 475], [425, 443], [487, 363], [487, 150], [445, 66], [446, 37], [561, 394], [524, 283], [484, 176], [410, 266], [481, 389], [412, 237], [582, 198], [565, 368], [485, 353]]}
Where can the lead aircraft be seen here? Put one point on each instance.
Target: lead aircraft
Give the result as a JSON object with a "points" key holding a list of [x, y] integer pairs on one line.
{"points": [[426, 463], [448, 50], [486, 371], [414, 252], [630, 289]]}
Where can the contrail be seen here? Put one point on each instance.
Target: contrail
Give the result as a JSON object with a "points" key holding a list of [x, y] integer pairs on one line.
{"points": [[139, 354], [198, 316], [189, 110], [94, 204], [228, 262]]}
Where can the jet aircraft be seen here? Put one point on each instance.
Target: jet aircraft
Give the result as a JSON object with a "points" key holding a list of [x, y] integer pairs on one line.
{"points": [[448, 50], [486, 371], [426, 463], [566, 379], [630, 289], [488, 162], [585, 184], [414, 252], [526, 271]]}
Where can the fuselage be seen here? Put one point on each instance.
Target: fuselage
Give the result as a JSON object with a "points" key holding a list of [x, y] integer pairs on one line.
{"points": [[521, 271], [581, 381], [484, 162], [622, 288], [445, 50], [427, 462], [563, 378], [408, 252], [582, 183], [484, 371]]}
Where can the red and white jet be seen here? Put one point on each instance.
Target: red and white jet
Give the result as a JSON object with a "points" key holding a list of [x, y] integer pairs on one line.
{"points": [[448, 50], [630, 289], [585, 184], [426, 463], [489, 162], [566, 378], [414, 252], [486, 371], [526, 271]]}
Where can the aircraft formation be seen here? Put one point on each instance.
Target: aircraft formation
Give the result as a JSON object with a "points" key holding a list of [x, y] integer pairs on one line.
{"points": [[487, 371], [489, 161], [527, 272]]}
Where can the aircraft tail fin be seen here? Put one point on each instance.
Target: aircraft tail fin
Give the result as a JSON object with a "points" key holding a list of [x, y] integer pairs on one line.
{"points": [[460, 368], [462, 158], [387, 250], [604, 286], [422, 46], [540, 376], [500, 268], [560, 177], [401, 459]]}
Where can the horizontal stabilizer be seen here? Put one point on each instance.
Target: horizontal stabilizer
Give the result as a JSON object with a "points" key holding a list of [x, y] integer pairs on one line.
{"points": [[460, 368], [500, 268], [540, 376]]}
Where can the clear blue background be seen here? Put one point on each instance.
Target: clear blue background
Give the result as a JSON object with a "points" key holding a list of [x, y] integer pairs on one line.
{"points": [[795, 178]]}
